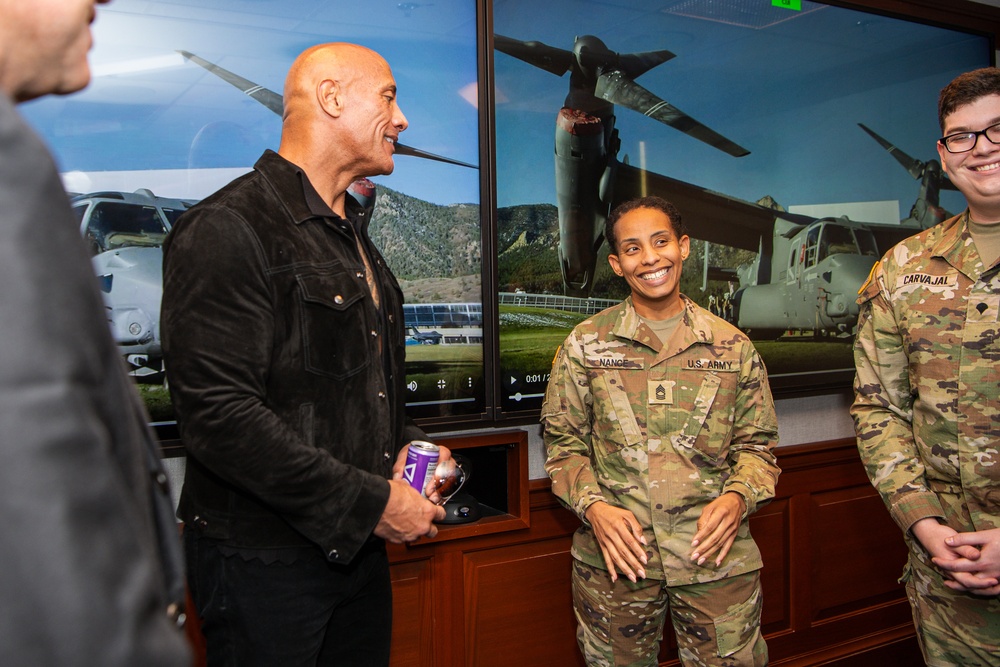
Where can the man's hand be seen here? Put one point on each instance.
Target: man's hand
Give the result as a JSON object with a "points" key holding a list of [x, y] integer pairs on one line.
{"points": [[430, 491], [407, 515], [984, 567], [620, 538], [717, 527]]}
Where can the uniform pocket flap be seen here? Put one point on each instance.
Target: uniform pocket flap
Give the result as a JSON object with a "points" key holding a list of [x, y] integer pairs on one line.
{"points": [[739, 626]]}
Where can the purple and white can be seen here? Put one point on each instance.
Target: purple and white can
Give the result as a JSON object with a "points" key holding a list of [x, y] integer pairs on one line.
{"points": [[421, 462]]}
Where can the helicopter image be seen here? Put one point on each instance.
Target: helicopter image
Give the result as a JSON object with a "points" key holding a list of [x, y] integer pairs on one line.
{"points": [[807, 270], [125, 233], [828, 259]]}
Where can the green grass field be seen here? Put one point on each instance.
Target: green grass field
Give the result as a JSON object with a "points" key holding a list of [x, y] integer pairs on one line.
{"points": [[157, 399], [458, 367], [783, 357], [529, 338]]}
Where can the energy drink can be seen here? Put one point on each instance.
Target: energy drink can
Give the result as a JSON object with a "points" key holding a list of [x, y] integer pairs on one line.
{"points": [[421, 462]]}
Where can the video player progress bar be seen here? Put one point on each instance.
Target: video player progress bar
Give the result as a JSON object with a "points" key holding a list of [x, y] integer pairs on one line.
{"points": [[519, 396], [442, 402]]}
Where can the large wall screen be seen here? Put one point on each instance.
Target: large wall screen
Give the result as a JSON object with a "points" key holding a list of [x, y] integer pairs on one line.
{"points": [[186, 96], [796, 138]]}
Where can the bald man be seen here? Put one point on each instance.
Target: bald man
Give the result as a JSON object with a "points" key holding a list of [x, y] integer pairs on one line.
{"points": [[283, 336]]}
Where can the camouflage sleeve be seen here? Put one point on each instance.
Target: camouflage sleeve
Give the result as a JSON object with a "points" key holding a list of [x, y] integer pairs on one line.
{"points": [[883, 409], [566, 419], [755, 434]]}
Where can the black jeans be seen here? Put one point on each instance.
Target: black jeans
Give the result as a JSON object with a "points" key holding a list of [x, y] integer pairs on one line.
{"points": [[298, 610]]}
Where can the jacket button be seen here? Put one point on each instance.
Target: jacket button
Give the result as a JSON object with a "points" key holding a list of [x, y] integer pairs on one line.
{"points": [[374, 334], [360, 274], [333, 555], [385, 456], [381, 394], [176, 614], [162, 481], [338, 299]]}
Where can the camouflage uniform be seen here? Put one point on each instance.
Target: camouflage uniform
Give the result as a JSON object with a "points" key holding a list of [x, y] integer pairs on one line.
{"points": [[662, 430], [926, 414]]}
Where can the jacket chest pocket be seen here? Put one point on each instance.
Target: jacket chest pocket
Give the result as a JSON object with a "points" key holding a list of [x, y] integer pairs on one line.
{"points": [[703, 416], [332, 321], [615, 422]]}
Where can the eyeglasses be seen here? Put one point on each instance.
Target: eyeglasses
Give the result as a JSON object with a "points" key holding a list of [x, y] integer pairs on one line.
{"points": [[963, 142]]}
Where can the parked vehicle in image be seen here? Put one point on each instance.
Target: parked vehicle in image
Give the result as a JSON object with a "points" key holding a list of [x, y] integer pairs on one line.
{"points": [[125, 233]]}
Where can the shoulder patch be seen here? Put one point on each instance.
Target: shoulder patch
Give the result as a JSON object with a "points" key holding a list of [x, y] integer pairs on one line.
{"points": [[871, 286], [871, 277]]}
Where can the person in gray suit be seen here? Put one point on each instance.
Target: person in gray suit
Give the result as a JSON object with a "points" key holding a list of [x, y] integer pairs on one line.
{"points": [[90, 562]]}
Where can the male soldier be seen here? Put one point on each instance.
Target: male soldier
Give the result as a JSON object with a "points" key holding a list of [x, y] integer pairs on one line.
{"points": [[283, 335], [90, 561], [928, 390], [659, 428]]}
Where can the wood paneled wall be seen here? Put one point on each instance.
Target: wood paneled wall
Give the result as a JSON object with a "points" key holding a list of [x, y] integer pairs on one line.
{"points": [[832, 558]]}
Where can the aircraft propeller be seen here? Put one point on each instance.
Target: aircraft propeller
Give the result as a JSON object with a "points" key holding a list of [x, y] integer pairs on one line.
{"points": [[275, 103], [598, 74], [926, 211], [915, 168], [616, 88]]}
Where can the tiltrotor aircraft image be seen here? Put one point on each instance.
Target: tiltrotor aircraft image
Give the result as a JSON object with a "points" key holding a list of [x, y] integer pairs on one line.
{"points": [[807, 270]]}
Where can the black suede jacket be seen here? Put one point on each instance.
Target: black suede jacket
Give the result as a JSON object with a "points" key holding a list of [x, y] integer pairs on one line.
{"points": [[287, 381]]}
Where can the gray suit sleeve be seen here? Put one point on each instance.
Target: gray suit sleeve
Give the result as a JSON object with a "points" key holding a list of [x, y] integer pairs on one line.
{"points": [[84, 579]]}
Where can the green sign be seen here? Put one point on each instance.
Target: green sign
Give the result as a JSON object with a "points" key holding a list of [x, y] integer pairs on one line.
{"points": [[788, 4]]}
